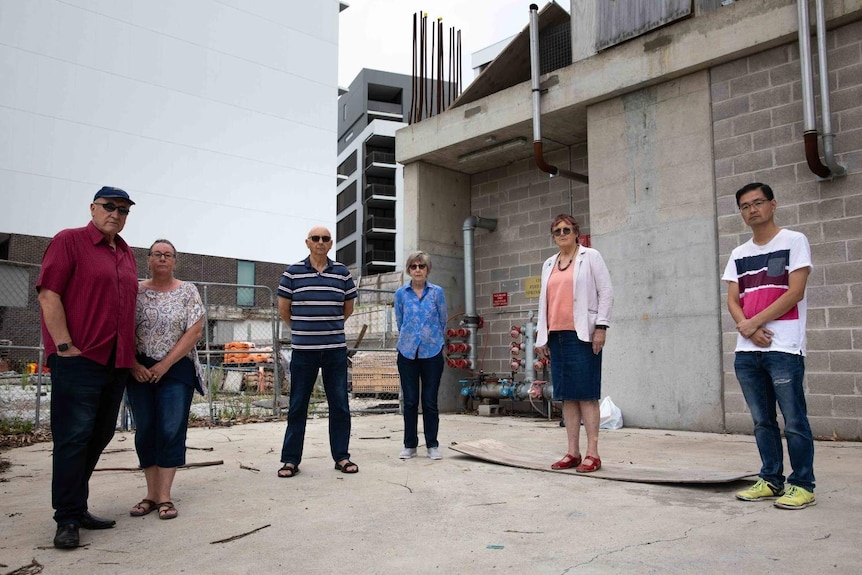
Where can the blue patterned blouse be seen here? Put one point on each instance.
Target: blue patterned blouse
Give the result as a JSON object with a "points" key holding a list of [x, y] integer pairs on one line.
{"points": [[421, 321]]}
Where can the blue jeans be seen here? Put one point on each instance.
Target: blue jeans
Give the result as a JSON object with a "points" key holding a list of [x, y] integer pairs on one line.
{"points": [[767, 378], [161, 412], [85, 400], [304, 366], [429, 371]]}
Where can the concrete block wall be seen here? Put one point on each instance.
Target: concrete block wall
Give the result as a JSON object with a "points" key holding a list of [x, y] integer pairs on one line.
{"points": [[757, 125], [524, 201]]}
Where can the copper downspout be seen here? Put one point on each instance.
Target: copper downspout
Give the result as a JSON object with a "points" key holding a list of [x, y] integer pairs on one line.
{"points": [[538, 151], [810, 134]]}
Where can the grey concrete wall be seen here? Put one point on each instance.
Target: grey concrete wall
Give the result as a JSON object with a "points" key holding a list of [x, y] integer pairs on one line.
{"points": [[653, 219], [523, 200], [436, 203], [757, 112]]}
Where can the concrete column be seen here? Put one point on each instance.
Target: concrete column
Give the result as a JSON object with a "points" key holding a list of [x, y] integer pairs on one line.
{"points": [[436, 203], [653, 216]]}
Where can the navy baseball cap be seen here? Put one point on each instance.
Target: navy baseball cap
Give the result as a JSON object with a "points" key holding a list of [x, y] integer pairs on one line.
{"points": [[109, 192]]}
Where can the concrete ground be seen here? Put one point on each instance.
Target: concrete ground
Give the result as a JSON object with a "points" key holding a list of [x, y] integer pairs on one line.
{"points": [[452, 516]]}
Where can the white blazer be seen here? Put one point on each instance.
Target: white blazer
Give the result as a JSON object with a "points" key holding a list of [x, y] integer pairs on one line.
{"points": [[593, 295]]}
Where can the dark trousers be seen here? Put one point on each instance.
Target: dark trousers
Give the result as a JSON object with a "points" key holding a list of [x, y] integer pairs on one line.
{"points": [[161, 412], [428, 371], [85, 400], [304, 367]]}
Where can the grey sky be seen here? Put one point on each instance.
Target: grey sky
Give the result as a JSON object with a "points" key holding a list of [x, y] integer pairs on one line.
{"points": [[378, 33]]}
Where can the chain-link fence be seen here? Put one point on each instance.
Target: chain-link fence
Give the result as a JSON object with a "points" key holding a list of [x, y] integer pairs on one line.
{"points": [[241, 355], [245, 351], [24, 384], [372, 337]]}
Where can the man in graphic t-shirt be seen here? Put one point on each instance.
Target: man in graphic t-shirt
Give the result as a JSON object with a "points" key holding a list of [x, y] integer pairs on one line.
{"points": [[766, 278]]}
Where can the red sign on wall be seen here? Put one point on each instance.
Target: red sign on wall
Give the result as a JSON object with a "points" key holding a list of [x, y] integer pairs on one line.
{"points": [[500, 299]]}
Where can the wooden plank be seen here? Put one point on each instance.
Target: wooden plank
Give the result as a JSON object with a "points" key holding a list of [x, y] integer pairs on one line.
{"points": [[495, 451]]}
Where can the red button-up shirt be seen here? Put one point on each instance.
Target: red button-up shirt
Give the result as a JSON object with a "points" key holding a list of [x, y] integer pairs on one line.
{"points": [[98, 286]]}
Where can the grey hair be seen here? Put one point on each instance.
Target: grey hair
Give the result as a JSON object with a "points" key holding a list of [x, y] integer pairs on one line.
{"points": [[418, 257]]}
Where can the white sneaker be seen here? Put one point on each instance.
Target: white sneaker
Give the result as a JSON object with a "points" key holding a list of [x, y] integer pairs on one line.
{"points": [[434, 453], [408, 453]]}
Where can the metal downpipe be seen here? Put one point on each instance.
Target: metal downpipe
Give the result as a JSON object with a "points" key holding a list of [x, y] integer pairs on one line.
{"points": [[535, 68], [826, 95], [471, 319], [812, 155]]}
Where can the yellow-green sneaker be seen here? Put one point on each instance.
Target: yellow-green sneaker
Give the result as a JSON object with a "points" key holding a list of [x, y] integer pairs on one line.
{"points": [[796, 498], [760, 490]]}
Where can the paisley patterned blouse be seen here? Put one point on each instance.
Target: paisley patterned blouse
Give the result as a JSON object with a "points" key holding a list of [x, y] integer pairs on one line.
{"points": [[161, 319]]}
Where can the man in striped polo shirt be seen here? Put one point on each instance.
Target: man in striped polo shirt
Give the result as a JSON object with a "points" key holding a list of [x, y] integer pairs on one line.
{"points": [[315, 299], [766, 279]]}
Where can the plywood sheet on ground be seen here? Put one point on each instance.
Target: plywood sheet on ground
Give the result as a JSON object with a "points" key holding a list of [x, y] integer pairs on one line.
{"points": [[495, 451]]}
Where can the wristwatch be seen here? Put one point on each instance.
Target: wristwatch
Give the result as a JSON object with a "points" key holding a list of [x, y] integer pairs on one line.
{"points": [[601, 327], [63, 347]]}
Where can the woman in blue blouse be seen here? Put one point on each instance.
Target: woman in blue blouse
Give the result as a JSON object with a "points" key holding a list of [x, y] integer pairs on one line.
{"points": [[420, 312]]}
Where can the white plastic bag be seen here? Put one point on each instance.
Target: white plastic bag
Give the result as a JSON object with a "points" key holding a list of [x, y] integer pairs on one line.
{"points": [[611, 415]]}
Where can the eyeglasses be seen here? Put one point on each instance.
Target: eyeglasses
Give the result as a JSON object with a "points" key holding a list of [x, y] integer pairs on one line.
{"points": [[756, 203], [160, 255], [562, 232], [109, 207], [417, 267], [316, 239]]}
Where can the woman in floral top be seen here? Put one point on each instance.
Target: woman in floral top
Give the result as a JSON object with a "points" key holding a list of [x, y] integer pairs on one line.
{"points": [[420, 313], [169, 320]]}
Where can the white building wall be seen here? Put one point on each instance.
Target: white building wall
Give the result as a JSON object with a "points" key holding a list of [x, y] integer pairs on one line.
{"points": [[218, 117]]}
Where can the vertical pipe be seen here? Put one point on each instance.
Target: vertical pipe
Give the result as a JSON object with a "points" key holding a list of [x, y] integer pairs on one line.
{"points": [[529, 352], [471, 320], [209, 357], [812, 155], [825, 95], [39, 381], [534, 68], [276, 355]]}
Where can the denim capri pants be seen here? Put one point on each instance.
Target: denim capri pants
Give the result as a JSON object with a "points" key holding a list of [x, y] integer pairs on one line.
{"points": [[576, 372], [161, 413]]}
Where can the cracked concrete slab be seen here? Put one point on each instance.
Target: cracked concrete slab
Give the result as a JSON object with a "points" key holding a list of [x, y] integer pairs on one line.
{"points": [[457, 515]]}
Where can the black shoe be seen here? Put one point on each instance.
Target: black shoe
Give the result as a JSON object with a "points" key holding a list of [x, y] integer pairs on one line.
{"points": [[88, 521], [66, 537]]}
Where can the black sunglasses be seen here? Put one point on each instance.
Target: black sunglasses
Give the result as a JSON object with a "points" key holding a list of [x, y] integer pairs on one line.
{"points": [[316, 239], [417, 266], [562, 231], [109, 207]]}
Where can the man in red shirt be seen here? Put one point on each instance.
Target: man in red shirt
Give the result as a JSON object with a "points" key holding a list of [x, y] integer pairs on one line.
{"points": [[87, 289]]}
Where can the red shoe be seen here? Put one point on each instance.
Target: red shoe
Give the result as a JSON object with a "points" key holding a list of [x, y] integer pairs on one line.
{"points": [[567, 462], [594, 465]]}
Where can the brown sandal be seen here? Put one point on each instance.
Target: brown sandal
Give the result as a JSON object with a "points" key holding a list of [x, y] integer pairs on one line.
{"points": [[140, 510], [167, 510]]}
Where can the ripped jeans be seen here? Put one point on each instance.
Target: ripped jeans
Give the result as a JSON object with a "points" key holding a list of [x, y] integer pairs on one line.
{"points": [[767, 378]]}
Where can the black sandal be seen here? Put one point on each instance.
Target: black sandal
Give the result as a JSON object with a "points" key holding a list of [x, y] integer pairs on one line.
{"points": [[348, 467], [291, 469]]}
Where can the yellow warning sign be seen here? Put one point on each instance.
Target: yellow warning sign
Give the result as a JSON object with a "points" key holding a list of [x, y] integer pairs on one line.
{"points": [[532, 286]]}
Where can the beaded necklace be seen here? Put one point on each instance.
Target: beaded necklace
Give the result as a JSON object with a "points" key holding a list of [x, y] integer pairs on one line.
{"points": [[560, 267]]}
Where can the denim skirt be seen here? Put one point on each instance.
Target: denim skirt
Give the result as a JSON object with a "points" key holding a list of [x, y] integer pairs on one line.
{"points": [[576, 372]]}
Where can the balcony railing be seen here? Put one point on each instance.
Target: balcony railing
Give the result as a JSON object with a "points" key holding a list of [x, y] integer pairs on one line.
{"points": [[378, 190], [387, 256], [379, 223], [385, 107], [380, 158]]}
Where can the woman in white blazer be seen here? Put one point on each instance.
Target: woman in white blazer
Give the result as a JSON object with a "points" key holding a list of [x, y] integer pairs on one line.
{"points": [[574, 315]]}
